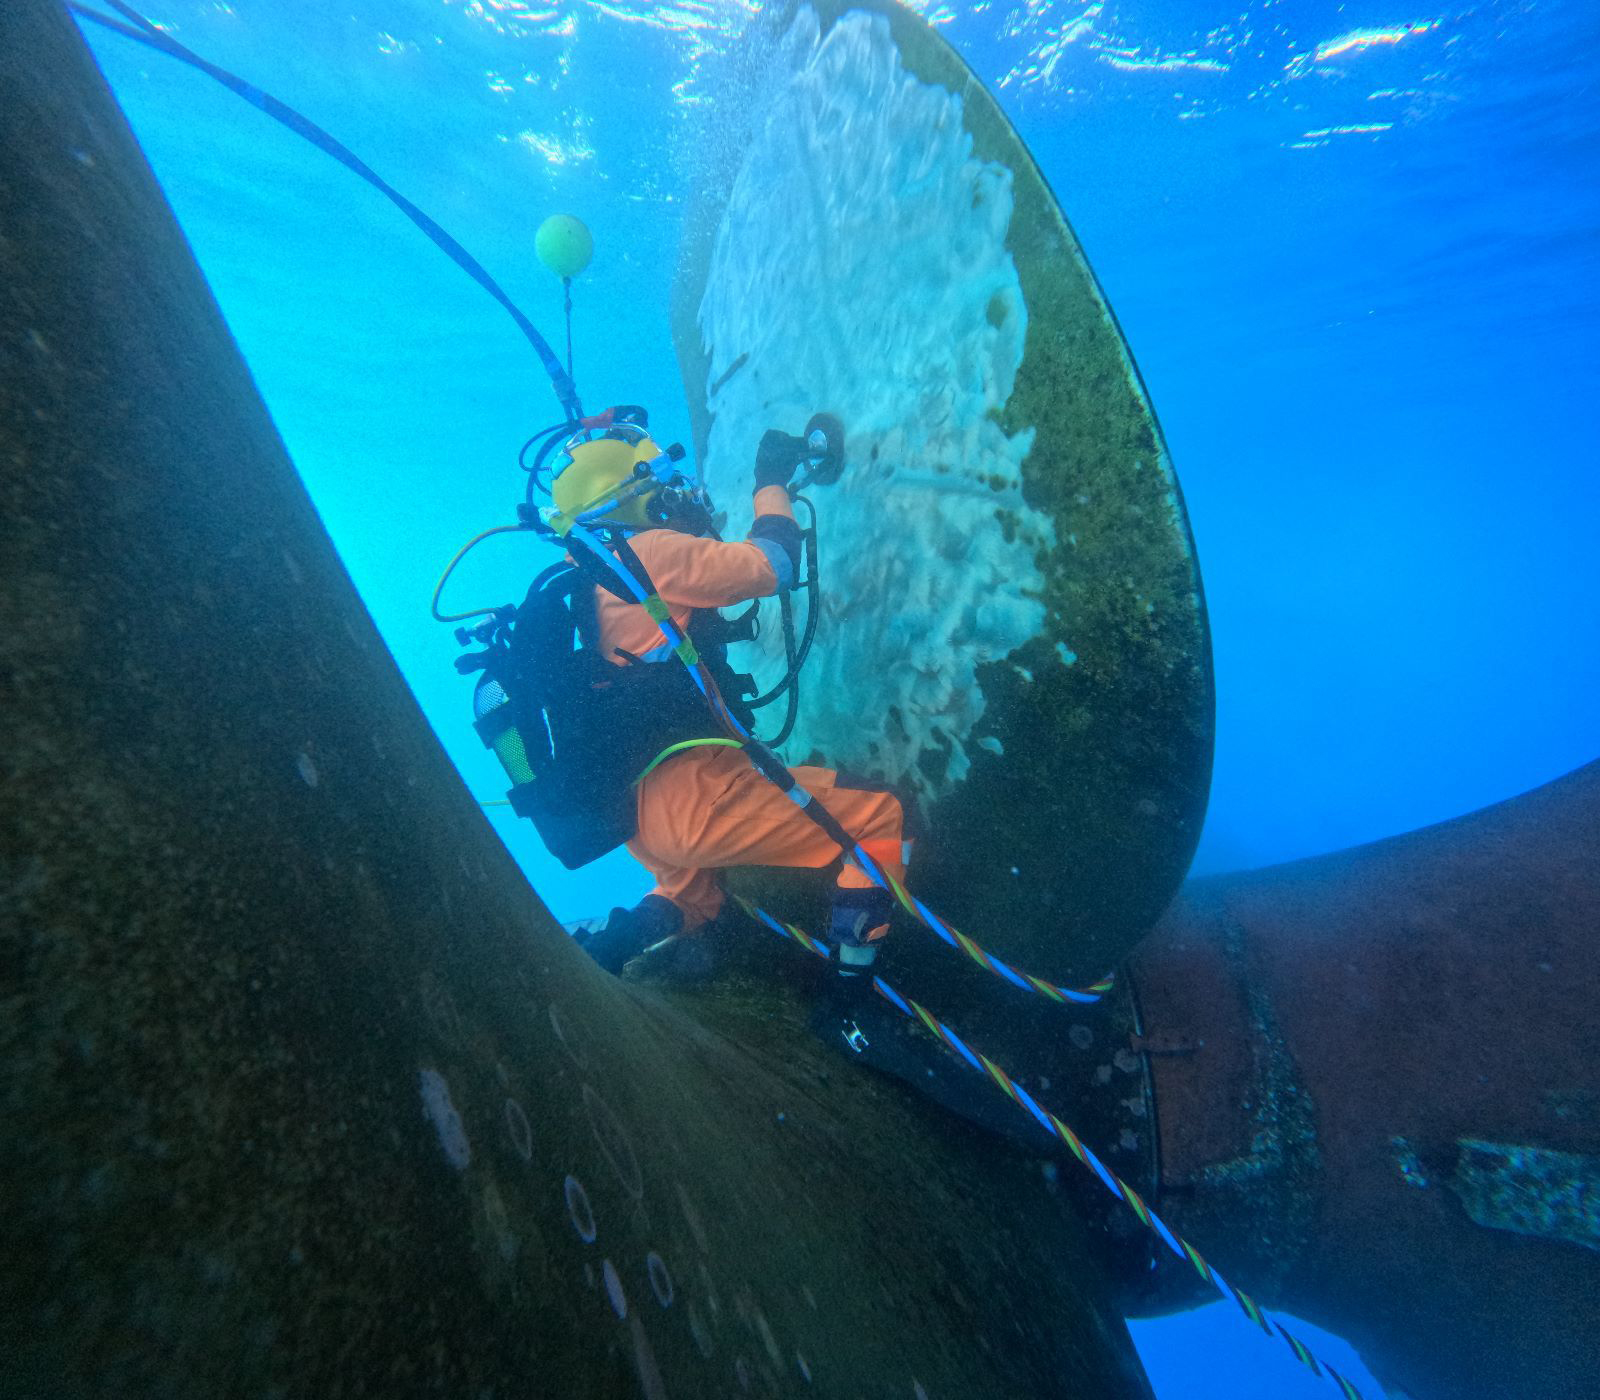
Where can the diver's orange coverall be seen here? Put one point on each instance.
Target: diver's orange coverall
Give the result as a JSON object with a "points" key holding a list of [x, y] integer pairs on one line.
{"points": [[708, 808]]}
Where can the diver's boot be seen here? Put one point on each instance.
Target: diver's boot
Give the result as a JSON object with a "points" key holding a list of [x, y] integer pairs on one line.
{"points": [[628, 932], [858, 924], [683, 960], [857, 928]]}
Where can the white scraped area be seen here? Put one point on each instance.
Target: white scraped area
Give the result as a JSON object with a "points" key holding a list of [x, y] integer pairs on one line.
{"points": [[860, 269]]}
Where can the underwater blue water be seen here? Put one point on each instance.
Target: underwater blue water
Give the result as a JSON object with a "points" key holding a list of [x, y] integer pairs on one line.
{"points": [[1353, 248]]}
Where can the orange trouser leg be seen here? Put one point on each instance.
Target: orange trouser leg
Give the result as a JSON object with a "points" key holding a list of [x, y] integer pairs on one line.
{"points": [[710, 809]]}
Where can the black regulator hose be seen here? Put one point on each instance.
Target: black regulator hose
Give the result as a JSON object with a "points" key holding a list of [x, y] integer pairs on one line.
{"points": [[792, 709], [143, 31], [795, 656]]}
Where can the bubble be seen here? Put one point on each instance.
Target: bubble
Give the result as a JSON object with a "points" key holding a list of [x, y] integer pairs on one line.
{"points": [[644, 1361], [438, 1109], [520, 1129], [691, 1215], [565, 1032], [699, 1331], [1081, 1036], [614, 1144], [579, 1211], [1126, 1061], [711, 1290], [441, 1010], [660, 1278], [768, 1340], [618, 1299], [494, 1210]]}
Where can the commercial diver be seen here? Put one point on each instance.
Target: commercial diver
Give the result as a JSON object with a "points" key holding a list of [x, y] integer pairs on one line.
{"points": [[604, 733]]}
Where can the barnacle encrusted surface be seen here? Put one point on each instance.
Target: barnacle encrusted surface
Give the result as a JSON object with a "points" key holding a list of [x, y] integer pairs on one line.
{"points": [[1014, 633], [893, 302]]}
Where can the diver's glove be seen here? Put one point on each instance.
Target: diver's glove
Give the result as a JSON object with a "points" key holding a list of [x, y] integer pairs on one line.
{"points": [[777, 457], [628, 932]]}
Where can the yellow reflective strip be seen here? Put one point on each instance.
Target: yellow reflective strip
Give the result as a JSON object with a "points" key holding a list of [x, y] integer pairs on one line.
{"points": [[904, 898], [686, 653], [973, 951], [658, 610], [998, 1075], [1068, 1136], [1133, 1198]]}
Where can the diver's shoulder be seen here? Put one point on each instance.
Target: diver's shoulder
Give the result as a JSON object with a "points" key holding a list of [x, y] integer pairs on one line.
{"points": [[666, 543]]}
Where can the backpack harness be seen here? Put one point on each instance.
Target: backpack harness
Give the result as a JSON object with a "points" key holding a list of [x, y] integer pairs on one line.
{"points": [[574, 731]]}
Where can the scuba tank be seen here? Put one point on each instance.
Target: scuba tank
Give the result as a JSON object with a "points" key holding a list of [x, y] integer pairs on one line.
{"points": [[572, 730]]}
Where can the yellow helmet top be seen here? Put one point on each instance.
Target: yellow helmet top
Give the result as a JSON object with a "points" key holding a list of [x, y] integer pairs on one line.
{"points": [[601, 470]]}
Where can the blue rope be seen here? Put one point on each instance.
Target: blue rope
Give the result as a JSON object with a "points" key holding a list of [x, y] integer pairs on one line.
{"points": [[148, 34], [774, 771], [674, 637], [1079, 1148]]}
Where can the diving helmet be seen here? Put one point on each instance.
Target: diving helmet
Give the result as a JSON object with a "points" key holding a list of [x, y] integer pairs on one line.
{"points": [[616, 478]]}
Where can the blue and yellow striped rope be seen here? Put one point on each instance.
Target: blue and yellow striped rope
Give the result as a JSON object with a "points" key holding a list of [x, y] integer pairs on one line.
{"points": [[978, 1061], [987, 960], [768, 764]]}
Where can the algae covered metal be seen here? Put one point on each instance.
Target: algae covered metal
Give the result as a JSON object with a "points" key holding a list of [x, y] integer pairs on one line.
{"points": [[304, 1090], [1014, 635]]}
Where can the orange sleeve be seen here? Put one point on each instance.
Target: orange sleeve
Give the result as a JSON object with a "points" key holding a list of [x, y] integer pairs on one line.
{"points": [[691, 572]]}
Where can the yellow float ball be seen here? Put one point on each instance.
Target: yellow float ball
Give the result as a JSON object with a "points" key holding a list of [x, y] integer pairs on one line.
{"points": [[564, 245]]}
